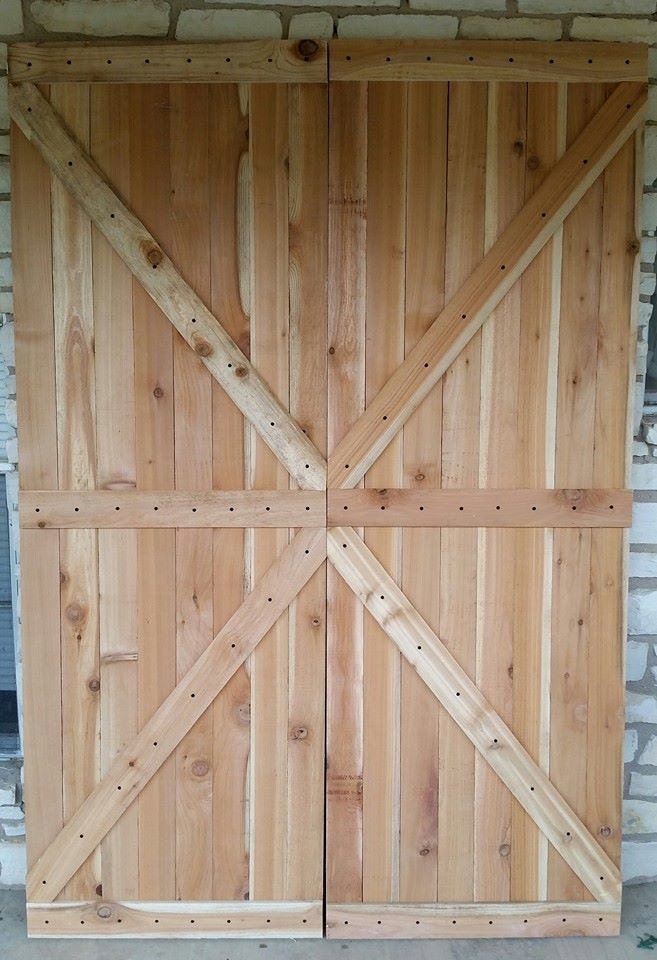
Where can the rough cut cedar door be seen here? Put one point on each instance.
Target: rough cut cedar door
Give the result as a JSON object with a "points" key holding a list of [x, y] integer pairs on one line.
{"points": [[492, 461], [231, 180], [424, 177]]}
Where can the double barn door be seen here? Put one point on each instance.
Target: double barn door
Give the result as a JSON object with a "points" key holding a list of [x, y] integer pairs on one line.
{"points": [[323, 358]]}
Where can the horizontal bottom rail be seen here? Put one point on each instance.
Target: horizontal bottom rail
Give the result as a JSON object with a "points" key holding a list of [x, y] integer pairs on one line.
{"points": [[234, 920], [461, 920]]}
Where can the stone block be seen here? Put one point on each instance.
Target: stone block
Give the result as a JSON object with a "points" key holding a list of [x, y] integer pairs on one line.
{"points": [[647, 284], [509, 28], [642, 614], [639, 816], [484, 6], [636, 659], [3, 52], [5, 176], [5, 272], [650, 155], [643, 785], [630, 745], [12, 864], [640, 708], [632, 30], [6, 301], [633, 7], [228, 25], [318, 25], [392, 26], [11, 18], [4, 103], [644, 523], [639, 863], [644, 477], [643, 564], [649, 755], [649, 207], [103, 18], [648, 249]]}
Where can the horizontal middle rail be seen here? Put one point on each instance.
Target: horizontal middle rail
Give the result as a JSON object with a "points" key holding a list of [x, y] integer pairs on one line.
{"points": [[100, 509]]}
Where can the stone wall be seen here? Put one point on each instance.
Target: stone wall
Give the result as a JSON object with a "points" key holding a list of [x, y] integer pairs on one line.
{"points": [[630, 20]]}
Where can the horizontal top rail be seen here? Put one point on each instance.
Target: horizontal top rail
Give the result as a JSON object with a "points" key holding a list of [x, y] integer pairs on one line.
{"points": [[519, 60], [309, 60], [244, 61]]}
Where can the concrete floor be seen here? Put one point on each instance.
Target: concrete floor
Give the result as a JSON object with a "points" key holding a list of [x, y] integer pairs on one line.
{"points": [[639, 924]]}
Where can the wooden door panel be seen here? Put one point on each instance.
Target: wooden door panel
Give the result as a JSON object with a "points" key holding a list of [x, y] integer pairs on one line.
{"points": [[232, 182], [520, 610]]}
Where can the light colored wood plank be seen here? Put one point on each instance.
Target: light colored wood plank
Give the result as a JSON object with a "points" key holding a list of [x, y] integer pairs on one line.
{"points": [[461, 507], [485, 60], [162, 733], [614, 374], [460, 458], [153, 362], [76, 445], [426, 175], [346, 400], [498, 465], [188, 239], [116, 469], [35, 375], [467, 705], [251, 61], [481, 920], [576, 391], [308, 194], [269, 140], [488, 283], [229, 217], [42, 719], [156, 272], [45, 509], [33, 313], [143, 919], [539, 326], [384, 323]]}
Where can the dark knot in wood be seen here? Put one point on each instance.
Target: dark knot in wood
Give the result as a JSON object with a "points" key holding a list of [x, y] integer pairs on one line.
{"points": [[308, 49], [202, 348], [533, 162], [94, 685], [200, 768]]}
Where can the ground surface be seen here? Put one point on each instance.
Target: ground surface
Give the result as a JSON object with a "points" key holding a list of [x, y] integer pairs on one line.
{"points": [[638, 941]]}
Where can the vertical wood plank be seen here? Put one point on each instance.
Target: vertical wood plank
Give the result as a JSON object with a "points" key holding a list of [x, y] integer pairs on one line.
{"points": [[230, 271], [426, 171], [466, 184], [149, 186], [188, 241], [500, 378], [346, 401], [270, 353], [116, 470], [386, 213], [539, 331], [614, 368], [576, 391], [308, 115], [37, 418], [76, 443]]}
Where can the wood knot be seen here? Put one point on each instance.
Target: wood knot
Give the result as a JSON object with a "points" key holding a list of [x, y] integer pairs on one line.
{"points": [[41, 524], [605, 831], [533, 162], [419, 477], [505, 849], [633, 247], [424, 852], [94, 685], [99, 890], [315, 621], [200, 768], [153, 254], [308, 49], [241, 372], [518, 148], [74, 612], [104, 912], [131, 763], [244, 713], [299, 733], [331, 350], [158, 393], [202, 347]]}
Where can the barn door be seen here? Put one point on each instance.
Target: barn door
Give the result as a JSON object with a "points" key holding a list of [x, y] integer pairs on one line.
{"points": [[476, 501], [172, 496], [219, 279]]}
